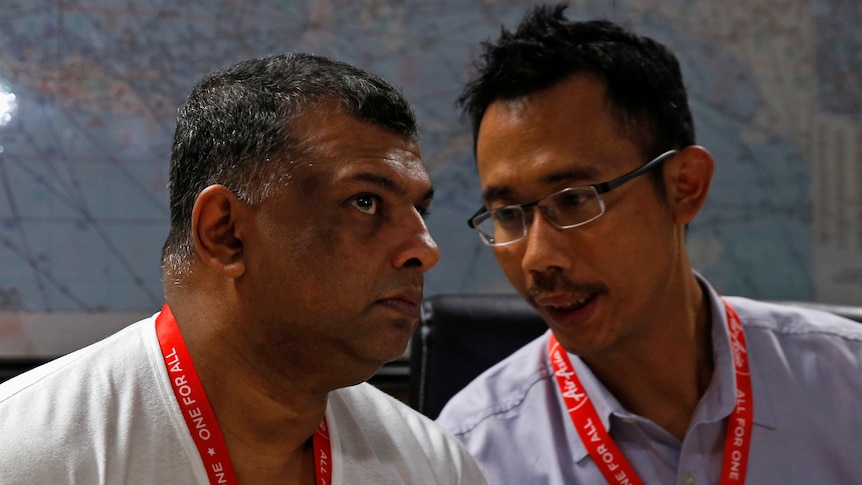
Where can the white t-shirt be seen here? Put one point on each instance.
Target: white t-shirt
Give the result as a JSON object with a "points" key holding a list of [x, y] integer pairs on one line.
{"points": [[107, 414]]}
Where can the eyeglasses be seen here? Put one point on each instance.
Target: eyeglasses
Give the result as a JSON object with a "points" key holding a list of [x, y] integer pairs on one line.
{"points": [[568, 208]]}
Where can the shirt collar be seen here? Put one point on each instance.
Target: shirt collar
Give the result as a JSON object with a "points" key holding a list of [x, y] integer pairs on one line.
{"points": [[720, 398]]}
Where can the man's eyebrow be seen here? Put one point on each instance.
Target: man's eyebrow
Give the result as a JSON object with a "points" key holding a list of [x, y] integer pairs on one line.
{"points": [[388, 184], [382, 181], [580, 174], [496, 192]]}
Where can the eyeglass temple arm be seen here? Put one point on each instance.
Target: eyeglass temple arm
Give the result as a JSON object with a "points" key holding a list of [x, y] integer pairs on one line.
{"points": [[612, 184]]}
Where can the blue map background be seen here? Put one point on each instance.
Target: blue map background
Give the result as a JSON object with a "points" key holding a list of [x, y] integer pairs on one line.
{"points": [[89, 92]]}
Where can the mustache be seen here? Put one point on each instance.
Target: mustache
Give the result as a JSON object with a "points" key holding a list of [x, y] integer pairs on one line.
{"points": [[557, 282], [408, 282]]}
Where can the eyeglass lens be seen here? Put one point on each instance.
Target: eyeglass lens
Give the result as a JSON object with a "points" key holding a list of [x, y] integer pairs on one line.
{"points": [[567, 208]]}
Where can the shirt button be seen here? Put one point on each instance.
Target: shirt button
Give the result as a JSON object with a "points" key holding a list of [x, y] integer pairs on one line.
{"points": [[690, 480]]}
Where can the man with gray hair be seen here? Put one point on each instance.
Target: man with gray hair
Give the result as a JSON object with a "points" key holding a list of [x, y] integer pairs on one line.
{"points": [[293, 271]]}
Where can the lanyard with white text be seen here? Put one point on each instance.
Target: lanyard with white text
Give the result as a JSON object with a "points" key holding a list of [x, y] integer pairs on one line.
{"points": [[602, 449], [199, 415]]}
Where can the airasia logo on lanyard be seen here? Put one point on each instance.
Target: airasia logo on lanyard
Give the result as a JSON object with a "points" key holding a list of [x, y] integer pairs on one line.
{"points": [[199, 416], [570, 386], [601, 447]]}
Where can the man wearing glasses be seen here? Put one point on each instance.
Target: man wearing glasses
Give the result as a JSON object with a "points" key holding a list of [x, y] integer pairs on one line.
{"points": [[590, 174]]}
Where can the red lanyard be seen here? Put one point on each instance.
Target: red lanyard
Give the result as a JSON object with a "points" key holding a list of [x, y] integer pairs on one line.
{"points": [[605, 453], [199, 415], [323, 454]]}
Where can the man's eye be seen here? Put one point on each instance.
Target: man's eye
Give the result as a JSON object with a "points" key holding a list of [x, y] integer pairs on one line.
{"points": [[423, 211], [571, 199], [506, 216], [367, 204]]}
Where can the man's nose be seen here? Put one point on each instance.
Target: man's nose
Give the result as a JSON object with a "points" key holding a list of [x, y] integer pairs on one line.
{"points": [[546, 246], [419, 249]]}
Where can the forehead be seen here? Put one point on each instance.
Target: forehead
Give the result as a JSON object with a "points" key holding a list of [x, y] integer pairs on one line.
{"points": [[564, 134], [340, 147]]}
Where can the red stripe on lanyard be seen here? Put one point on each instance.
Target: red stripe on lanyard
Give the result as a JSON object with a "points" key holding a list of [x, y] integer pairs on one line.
{"points": [[199, 415], [738, 438], [602, 449], [192, 398], [323, 454], [605, 453]]}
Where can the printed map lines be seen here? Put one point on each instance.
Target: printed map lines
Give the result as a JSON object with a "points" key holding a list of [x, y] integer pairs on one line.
{"points": [[22, 252], [62, 185]]}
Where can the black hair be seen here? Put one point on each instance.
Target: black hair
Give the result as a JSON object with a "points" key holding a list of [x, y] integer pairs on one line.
{"points": [[645, 90]]}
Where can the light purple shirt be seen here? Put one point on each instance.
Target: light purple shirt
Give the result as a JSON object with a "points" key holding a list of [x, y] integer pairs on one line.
{"points": [[806, 370]]}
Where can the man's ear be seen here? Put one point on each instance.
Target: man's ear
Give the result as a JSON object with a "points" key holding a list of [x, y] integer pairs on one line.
{"points": [[688, 176], [215, 229]]}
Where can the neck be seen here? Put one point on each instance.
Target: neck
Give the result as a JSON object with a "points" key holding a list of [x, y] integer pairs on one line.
{"points": [[268, 421], [269, 436], [664, 376]]}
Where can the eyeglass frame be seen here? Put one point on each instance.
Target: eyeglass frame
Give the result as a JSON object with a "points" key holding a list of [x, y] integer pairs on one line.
{"points": [[599, 188]]}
